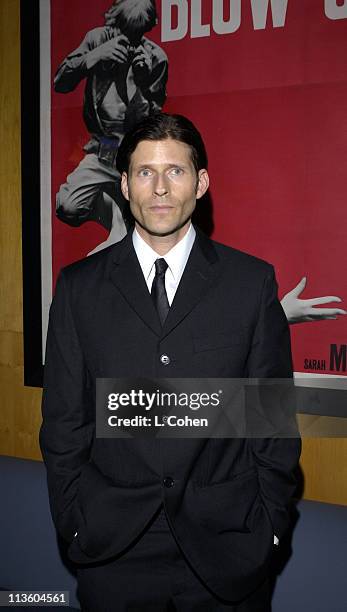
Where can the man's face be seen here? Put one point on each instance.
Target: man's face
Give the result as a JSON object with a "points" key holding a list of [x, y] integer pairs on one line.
{"points": [[162, 186]]}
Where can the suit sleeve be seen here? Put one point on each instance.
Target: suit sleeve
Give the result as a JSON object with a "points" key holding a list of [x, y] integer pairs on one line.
{"points": [[276, 457], [67, 409]]}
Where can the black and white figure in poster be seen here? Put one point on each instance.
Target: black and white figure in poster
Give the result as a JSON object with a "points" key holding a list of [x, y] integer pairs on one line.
{"points": [[126, 76], [298, 310]]}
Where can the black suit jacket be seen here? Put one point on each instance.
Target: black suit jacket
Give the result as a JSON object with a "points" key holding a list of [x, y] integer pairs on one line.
{"points": [[230, 495]]}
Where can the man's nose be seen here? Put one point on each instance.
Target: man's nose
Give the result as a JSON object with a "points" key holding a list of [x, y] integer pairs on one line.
{"points": [[161, 185]]}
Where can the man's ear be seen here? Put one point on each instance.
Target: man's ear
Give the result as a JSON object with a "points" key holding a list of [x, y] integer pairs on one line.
{"points": [[203, 183], [124, 185]]}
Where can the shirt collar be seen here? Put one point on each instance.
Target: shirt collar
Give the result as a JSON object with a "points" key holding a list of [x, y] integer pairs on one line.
{"points": [[176, 258]]}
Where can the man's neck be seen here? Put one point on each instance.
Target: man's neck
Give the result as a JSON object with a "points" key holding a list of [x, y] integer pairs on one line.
{"points": [[163, 244]]}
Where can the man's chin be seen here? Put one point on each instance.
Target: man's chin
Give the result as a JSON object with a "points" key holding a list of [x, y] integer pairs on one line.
{"points": [[163, 230]]}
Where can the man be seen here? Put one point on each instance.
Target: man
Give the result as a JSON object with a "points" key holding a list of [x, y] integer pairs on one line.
{"points": [[165, 524], [126, 76]]}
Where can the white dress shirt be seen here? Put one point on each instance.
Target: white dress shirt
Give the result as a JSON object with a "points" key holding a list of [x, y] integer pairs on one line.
{"points": [[176, 260]]}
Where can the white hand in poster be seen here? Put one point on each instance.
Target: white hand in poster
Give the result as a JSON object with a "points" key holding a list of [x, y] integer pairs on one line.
{"points": [[298, 310]]}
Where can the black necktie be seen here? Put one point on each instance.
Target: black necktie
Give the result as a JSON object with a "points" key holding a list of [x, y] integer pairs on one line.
{"points": [[158, 291]]}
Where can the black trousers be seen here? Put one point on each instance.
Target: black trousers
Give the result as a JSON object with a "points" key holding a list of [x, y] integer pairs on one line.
{"points": [[154, 576]]}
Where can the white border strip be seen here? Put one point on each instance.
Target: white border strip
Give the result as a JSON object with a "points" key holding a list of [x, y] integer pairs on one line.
{"points": [[45, 166], [322, 381]]}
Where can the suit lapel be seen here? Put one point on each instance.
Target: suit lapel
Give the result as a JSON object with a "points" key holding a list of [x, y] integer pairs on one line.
{"points": [[196, 280], [127, 276], [199, 273]]}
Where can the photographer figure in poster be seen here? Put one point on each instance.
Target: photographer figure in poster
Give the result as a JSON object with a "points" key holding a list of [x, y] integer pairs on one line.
{"points": [[126, 76]]}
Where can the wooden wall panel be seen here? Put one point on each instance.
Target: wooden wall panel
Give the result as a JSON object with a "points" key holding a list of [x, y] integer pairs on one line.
{"points": [[20, 406], [324, 461], [324, 464]]}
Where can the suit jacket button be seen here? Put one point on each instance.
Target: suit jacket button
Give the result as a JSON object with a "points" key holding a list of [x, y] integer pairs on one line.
{"points": [[165, 359], [168, 482]]}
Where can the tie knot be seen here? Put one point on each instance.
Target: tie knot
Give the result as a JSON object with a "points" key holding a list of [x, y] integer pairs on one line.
{"points": [[160, 266]]}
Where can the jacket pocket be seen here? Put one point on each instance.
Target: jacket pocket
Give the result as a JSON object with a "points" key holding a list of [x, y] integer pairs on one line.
{"points": [[230, 505], [217, 341]]}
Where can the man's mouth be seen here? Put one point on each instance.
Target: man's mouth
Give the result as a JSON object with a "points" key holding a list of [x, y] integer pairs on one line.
{"points": [[161, 208]]}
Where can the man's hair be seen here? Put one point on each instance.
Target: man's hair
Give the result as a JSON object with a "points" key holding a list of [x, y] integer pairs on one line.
{"points": [[137, 15], [162, 126]]}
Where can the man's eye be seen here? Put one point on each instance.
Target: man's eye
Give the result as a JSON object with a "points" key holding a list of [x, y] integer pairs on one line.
{"points": [[145, 172], [176, 171]]}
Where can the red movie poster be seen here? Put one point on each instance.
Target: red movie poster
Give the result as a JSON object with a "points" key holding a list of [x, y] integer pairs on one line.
{"points": [[266, 84]]}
